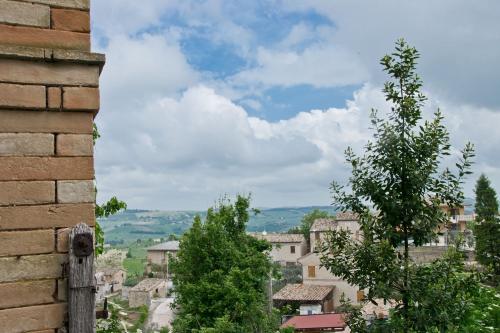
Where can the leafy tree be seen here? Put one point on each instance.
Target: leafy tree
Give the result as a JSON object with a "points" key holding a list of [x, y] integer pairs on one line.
{"points": [[487, 228], [111, 207], [399, 177], [486, 207], [221, 274]]}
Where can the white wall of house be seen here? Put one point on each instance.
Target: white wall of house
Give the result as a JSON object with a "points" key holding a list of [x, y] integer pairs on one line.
{"points": [[313, 274], [317, 237], [287, 252], [307, 309]]}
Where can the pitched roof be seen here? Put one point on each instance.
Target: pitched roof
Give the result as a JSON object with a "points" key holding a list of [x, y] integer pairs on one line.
{"points": [[317, 321], [346, 216], [302, 292], [279, 237], [324, 224], [147, 285], [167, 246]]}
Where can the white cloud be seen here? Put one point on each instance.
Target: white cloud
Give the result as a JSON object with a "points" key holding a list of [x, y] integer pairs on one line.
{"points": [[169, 140], [203, 145], [458, 40], [319, 66]]}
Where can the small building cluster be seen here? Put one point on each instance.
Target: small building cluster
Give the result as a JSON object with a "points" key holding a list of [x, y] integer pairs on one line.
{"points": [[320, 293]]}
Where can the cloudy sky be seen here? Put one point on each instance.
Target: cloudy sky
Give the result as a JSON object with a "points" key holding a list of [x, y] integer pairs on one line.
{"points": [[205, 98]]}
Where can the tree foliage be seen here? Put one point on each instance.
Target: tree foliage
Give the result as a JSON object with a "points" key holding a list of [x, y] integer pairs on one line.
{"points": [[399, 177], [486, 207], [221, 273], [307, 221], [487, 228]]}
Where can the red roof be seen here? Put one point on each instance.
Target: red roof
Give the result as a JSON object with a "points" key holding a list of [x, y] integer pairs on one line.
{"points": [[318, 321]]}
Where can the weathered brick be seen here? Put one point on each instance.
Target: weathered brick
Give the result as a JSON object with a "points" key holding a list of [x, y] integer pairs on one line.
{"points": [[26, 144], [32, 318], [21, 71], [81, 98], [74, 145], [26, 293], [62, 289], [26, 193], [75, 191], [16, 35], [62, 244], [13, 12], [54, 98], [45, 122], [16, 243], [46, 168], [46, 216], [70, 20], [22, 96], [79, 4], [44, 266]]}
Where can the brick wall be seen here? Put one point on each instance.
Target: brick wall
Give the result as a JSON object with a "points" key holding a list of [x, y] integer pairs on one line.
{"points": [[48, 98]]}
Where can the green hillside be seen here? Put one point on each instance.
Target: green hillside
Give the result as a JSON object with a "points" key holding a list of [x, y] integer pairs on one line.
{"points": [[144, 224]]}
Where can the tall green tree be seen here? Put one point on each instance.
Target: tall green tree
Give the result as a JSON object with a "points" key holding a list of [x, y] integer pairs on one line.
{"points": [[487, 228], [400, 178], [486, 207], [221, 274]]}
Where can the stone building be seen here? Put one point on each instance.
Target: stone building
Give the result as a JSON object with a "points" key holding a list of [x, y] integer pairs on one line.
{"points": [[109, 281], [159, 254], [311, 299], [287, 248], [49, 97], [145, 291], [314, 274]]}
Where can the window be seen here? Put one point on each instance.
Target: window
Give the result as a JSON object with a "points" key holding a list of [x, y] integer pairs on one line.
{"points": [[316, 235], [292, 249], [311, 270], [360, 295]]}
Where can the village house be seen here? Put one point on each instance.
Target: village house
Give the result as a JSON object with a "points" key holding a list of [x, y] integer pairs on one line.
{"points": [[310, 298], [109, 281], [145, 291], [287, 248], [313, 274], [159, 254]]}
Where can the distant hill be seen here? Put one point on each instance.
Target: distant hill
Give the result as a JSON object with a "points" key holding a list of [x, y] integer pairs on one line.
{"points": [[144, 224], [136, 224]]}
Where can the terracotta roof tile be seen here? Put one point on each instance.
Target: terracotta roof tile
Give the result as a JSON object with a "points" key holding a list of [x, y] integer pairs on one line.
{"points": [[318, 321], [147, 285], [302, 292]]}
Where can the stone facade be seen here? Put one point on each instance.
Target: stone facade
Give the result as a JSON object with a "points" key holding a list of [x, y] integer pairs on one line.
{"points": [[145, 291], [48, 98]]}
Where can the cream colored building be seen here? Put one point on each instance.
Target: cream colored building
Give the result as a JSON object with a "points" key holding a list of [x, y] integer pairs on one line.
{"points": [[145, 291], [159, 254], [313, 274], [287, 248]]}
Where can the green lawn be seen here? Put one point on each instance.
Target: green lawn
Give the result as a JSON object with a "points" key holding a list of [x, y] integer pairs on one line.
{"points": [[134, 266]]}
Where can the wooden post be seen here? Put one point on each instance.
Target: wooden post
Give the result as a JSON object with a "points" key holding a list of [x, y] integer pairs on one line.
{"points": [[81, 280]]}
